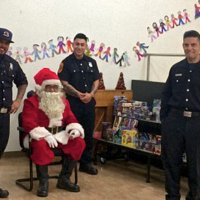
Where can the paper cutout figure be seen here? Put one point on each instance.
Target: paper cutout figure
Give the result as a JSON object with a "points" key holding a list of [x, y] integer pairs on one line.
{"points": [[52, 48], [142, 47], [174, 21], [36, 52], [162, 26], [69, 45], [27, 55], [186, 16], [44, 50], [167, 22], [107, 54], [156, 28], [60, 45], [18, 55], [115, 56], [92, 46], [151, 34], [180, 19], [197, 9], [100, 50], [126, 59], [137, 52]]}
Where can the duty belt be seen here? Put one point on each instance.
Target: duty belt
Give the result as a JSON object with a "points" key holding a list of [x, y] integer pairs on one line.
{"points": [[4, 110], [55, 129], [185, 113]]}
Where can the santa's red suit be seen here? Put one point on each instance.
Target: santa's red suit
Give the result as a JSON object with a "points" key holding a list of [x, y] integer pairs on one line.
{"points": [[34, 121]]}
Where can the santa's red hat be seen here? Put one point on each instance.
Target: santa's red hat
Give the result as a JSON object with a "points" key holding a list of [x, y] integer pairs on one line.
{"points": [[46, 77]]}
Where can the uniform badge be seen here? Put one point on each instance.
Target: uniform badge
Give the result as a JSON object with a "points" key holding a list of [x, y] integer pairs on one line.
{"points": [[11, 66], [60, 67], [90, 64]]}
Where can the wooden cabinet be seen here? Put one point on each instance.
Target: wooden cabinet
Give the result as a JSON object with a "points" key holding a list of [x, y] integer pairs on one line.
{"points": [[104, 105]]}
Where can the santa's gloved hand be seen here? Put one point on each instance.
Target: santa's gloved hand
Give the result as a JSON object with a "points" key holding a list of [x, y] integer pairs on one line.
{"points": [[51, 141], [74, 134], [61, 137]]}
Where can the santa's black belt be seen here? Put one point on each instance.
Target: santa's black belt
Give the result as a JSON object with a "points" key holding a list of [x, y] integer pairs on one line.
{"points": [[55, 129], [185, 113]]}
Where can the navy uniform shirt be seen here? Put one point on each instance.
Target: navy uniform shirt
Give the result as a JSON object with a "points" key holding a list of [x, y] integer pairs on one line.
{"points": [[182, 88], [79, 73], [10, 72]]}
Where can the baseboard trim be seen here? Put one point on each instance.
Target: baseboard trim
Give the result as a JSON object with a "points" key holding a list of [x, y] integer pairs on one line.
{"points": [[13, 154]]}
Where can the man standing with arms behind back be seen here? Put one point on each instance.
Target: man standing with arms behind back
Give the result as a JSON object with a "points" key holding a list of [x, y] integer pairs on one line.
{"points": [[79, 75], [180, 117], [10, 72]]}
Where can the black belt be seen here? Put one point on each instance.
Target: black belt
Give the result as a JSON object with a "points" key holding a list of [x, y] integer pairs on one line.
{"points": [[55, 129], [4, 110], [185, 113]]}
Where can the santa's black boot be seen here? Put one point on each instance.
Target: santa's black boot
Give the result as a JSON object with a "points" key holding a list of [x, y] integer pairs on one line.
{"points": [[42, 174], [64, 177], [3, 193]]}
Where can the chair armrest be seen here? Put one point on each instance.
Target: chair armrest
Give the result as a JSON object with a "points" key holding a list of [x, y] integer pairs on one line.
{"points": [[19, 128]]}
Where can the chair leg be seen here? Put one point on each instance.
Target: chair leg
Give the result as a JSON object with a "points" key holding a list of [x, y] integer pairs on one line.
{"points": [[21, 182], [29, 187], [75, 174]]}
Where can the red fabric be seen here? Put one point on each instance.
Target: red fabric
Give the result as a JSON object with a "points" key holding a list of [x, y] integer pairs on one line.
{"points": [[33, 117], [43, 155], [45, 74]]}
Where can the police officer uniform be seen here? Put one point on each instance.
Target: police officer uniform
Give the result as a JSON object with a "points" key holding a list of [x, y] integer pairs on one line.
{"points": [[10, 72], [180, 116], [81, 74]]}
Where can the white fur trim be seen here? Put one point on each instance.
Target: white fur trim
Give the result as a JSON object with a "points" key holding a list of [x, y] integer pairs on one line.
{"points": [[55, 122], [37, 87], [62, 137], [76, 126], [51, 82], [39, 132], [74, 134]]}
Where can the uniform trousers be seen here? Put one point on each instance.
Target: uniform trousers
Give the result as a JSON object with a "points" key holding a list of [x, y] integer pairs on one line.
{"points": [[181, 134], [85, 114], [4, 131]]}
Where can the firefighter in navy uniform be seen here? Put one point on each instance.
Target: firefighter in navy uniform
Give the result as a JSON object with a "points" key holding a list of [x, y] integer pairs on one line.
{"points": [[79, 75], [10, 72], [180, 117]]}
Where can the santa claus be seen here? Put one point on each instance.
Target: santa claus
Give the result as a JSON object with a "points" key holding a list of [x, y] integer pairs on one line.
{"points": [[49, 122]]}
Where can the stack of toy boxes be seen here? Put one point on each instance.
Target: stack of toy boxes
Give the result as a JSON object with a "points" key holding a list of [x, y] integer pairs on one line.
{"points": [[116, 130], [146, 142], [149, 142], [129, 132]]}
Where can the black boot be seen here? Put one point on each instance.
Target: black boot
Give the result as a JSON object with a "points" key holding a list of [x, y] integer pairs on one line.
{"points": [[64, 177], [42, 174], [3, 193]]}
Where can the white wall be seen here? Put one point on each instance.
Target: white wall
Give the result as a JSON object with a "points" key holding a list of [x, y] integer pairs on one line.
{"points": [[118, 24]]}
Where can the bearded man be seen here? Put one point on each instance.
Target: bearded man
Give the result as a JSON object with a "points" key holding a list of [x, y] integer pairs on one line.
{"points": [[48, 119]]}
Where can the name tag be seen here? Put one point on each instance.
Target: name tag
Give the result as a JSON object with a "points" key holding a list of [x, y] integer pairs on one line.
{"points": [[178, 75], [3, 110]]}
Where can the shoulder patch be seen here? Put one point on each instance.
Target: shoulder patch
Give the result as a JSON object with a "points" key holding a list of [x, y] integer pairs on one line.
{"points": [[60, 67]]}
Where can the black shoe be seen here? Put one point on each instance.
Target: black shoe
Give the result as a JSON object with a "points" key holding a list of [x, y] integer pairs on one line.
{"points": [[89, 169], [65, 183], [43, 188], [3, 193]]}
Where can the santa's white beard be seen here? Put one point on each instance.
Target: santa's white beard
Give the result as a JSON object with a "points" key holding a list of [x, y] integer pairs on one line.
{"points": [[52, 104]]}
